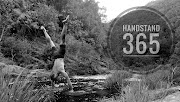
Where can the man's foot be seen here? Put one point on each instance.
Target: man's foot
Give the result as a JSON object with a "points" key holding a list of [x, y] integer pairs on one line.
{"points": [[70, 91], [56, 85]]}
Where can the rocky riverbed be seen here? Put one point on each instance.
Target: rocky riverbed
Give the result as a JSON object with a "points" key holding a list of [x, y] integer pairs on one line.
{"points": [[87, 88]]}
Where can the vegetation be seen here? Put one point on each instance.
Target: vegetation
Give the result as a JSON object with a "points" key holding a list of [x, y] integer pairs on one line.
{"points": [[170, 9], [166, 77], [22, 90], [117, 81], [144, 88], [23, 43]]}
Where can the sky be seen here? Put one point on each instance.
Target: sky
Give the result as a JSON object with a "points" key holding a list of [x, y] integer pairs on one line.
{"points": [[115, 7]]}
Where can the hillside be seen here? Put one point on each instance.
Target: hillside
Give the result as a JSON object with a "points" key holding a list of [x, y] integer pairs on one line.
{"points": [[23, 43]]}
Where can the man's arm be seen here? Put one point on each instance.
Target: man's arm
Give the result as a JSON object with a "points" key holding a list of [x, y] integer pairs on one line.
{"points": [[48, 37]]}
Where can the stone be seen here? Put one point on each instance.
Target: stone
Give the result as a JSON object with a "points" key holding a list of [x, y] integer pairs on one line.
{"points": [[172, 95], [14, 69], [175, 97], [39, 73]]}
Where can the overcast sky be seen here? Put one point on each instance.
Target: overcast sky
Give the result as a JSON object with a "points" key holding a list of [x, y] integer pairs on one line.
{"points": [[115, 7]]}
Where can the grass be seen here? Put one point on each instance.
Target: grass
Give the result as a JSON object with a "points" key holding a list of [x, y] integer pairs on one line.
{"points": [[22, 90], [151, 87], [137, 92], [117, 81], [158, 79], [134, 92]]}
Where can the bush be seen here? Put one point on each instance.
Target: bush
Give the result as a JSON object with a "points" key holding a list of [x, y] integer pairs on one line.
{"points": [[117, 81], [82, 58], [22, 90], [5, 60], [23, 42], [158, 79], [134, 92], [137, 92], [16, 50]]}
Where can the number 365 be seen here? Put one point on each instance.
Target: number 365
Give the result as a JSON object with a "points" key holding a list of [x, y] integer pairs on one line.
{"points": [[138, 43]]}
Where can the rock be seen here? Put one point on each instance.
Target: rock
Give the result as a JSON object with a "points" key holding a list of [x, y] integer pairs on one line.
{"points": [[171, 95], [12, 69], [96, 77], [133, 80], [39, 73], [97, 88], [2, 65], [15, 70], [77, 93], [175, 97]]}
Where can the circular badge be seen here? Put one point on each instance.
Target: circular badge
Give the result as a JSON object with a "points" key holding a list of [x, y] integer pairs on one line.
{"points": [[140, 39]]}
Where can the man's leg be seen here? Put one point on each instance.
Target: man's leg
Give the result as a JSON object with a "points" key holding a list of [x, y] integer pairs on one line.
{"points": [[48, 37]]}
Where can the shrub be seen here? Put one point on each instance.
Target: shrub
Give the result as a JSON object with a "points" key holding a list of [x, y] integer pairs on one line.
{"points": [[115, 82], [134, 92], [137, 92], [86, 59], [22, 90], [158, 79], [5, 60], [16, 50]]}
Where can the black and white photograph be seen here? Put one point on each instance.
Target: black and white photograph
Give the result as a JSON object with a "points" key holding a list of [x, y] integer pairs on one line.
{"points": [[89, 50]]}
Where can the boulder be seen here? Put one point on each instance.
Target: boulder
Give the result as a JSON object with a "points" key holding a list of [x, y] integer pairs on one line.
{"points": [[39, 73], [166, 95], [175, 97], [13, 69], [16, 70]]}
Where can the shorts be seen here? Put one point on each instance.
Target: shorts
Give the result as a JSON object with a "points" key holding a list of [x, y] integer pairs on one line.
{"points": [[58, 66]]}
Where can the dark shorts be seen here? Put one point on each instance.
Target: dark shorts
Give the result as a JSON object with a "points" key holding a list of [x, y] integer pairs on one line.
{"points": [[58, 52]]}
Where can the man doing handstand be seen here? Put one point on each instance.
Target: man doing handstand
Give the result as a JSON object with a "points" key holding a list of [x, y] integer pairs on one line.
{"points": [[58, 56]]}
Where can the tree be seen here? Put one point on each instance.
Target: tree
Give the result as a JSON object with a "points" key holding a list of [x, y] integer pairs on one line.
{"points": [[85, 37], [171, 9]]}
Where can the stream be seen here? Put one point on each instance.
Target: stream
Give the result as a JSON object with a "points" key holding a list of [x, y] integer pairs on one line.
{"points": [[87, 89]]}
